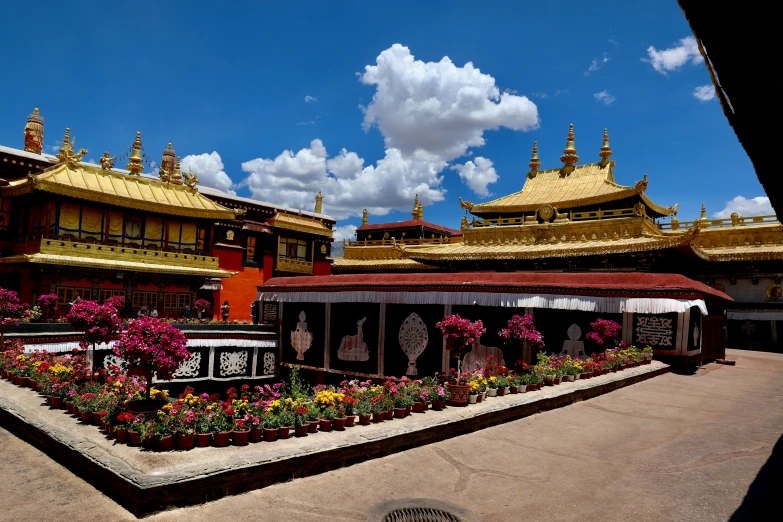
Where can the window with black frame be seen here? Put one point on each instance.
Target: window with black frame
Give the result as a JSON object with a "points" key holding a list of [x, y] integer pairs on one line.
{"points": [[293, 249]]}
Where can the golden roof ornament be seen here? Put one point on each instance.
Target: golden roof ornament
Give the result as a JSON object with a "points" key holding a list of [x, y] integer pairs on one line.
{"points": [[703, 216], [569, 157], [734, 219], [66, 153], [107, 161], [176, 175], [191, 180], [464, 224], [34, 132], [365, 217], [168, 160], [606, 151], [319, 202], [135, 166], [415, 212], [641, 185], [534, 162]]}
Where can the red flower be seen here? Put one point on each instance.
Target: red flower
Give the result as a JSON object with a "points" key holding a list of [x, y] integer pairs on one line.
{"points": [[230, 410]]}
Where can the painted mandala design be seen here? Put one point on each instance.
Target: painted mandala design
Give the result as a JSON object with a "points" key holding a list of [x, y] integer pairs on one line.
{"points": [[190, 368], [413, 338], [233, 363]]}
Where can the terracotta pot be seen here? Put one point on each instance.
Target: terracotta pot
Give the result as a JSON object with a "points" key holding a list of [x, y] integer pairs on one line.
{"points": [[34, 384], [57, 402], [473, 398], [111, 431], [378, 417], [438, 405], [312, 426], [388, 415], [69, 407], [418, 407], [283, 432], [459, 394], [531, 387], [501, 392], [122, 435], [24, 382], [350, 420], [338, 424], [557, 380], [479, 397], [614, 368], [48, 400], [203, 440], [134, 438], [399, 413], [240, 437], [325, 425], [150, 442], [301, 431], [221, 439], [185, 442], [86, 417], [270, 434], [408, 410], [256, 434], [96, 418], [513, 390], [166, 443], [364, 420]]}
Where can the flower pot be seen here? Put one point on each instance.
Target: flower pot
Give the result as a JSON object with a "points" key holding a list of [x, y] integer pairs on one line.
{"points": [[407, 410], [492, 392], [257, 433], [34, 385], [69, 407], [48, 400], [111, 431], [522, 388], [576, 377], [166, 443], [549, 380], [312, 426], [350, 420], [531, 387], [480, 397], [557, 380], [24, 382], [418, 407], [459, 394], [338, 424], [86, 417], [389, 415], [185, 442], [378, 417], [96, 418], [325, 425], [221, 439], [240, 437], [203, 440], [283, 432], [301, 431], [472, 398], [399, 413], [122, 435], [150, 442], [438, 405], [270, 434], [614, 369], [364, 420], [501, 392], [513, 390], [134, 438]]}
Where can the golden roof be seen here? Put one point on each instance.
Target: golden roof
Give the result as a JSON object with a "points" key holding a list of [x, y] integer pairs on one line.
{"points": [[368, 265], [115, 265], [740, 243], [105, 186], [587, 184], [301, 224]]}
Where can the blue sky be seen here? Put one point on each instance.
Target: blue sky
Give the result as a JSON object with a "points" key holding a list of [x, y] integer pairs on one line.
{"points": [[235, 85]]}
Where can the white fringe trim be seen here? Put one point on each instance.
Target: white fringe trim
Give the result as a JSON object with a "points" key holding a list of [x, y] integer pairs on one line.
{"points": [[607, 305], [192, 343], [756, 315]]}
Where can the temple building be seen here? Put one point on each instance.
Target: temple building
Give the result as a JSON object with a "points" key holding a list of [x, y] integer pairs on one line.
{"points": [[158, 239], [578, 218]]}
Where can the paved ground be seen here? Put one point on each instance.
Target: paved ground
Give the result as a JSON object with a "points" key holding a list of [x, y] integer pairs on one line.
{"points": [[676, 447]]}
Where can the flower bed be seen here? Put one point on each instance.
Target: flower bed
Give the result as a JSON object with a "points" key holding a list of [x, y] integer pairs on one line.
{"points": [[272, 411]]}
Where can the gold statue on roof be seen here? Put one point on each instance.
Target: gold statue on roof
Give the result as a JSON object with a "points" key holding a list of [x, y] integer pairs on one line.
{"points": [[191, 180], [66, 153], [107, 161]]}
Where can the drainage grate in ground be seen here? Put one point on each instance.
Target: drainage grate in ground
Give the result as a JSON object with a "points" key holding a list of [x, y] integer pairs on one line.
{"points": [[419, 510]]}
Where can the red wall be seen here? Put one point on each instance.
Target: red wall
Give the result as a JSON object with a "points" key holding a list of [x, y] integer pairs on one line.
{"points": [[322, 268], [239, 290]]}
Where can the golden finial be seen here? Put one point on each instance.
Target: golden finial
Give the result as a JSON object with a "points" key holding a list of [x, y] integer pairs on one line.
{"points": [[66, 153], [415, 207], [34, 133], [703, 216], [135, 166], [107, 161], [176, 175], [569, 157], [606, 151], [534, 162], [319, 201], [365, 217], [167, 163], [734, 219]]}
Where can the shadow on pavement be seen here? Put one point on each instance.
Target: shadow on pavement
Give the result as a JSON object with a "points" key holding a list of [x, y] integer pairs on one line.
{"points": [[758, 501]]}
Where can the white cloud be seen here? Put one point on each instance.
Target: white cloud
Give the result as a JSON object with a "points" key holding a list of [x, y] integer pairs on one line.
{"points": [[436, 108], [604, 97], [305, 123], [758, 206], [704, 93], [340, 233], [209, 169], [596, 64], [311, 99], [675, 57], [477, 174], [612, 41]]}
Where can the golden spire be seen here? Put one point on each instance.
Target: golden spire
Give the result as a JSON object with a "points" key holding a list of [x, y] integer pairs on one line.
{"points": [[34, 133], [703, 216], [606, 151], [135, 166], [167, 163], [66, 141], [569, 157], [534, 162], [365, 217], [176, 175], [66, 153], [319, 201]]}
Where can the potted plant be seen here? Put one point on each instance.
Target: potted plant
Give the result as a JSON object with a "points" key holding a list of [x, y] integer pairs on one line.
{"points": [[151, 348], [286, 419], [203, 428], [604, 334], [202, 306], [327, 416], [459, 333], [378, 408], [47, 302], [10, 308], [520, 330], [98, 324], [163, 431], [136, 430], [240, 433], [300, 421], [271, 425], [313, 414], [473, 391], [439, 395], [349, 410], [364, 411]]}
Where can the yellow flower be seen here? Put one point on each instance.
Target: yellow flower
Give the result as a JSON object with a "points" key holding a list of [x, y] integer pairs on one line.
{"points": [[37, 364]]}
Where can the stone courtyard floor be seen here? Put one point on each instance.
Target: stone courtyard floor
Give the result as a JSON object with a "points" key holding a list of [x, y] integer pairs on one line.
{"points": [[676, 447]]}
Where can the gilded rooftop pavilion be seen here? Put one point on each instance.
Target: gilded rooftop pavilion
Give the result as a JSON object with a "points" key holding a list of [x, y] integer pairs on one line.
{"points": [[577, 218]]}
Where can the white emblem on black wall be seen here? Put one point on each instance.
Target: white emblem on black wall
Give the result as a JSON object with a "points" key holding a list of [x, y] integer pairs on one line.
{"points": [[654, 331]]}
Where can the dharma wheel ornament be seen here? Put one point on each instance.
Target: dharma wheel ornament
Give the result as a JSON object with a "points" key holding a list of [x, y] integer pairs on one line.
{"points": [[413, 338]]}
